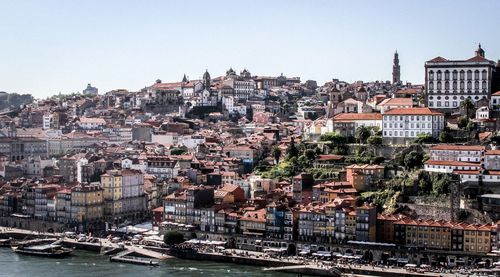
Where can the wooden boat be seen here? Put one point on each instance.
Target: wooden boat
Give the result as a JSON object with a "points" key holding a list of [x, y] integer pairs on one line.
{"points": [[48, 250]]}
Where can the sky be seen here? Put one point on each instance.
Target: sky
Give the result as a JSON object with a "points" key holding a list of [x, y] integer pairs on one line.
{"points": [[53, 46]]}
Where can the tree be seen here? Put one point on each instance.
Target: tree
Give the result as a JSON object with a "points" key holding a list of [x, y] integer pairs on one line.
{"points": [[445, 137], [374, 140], [293, 151], [362, 134], [462, 122], [276, 152], [173, 237], [424, 138], [468, 106], [413, 160]]}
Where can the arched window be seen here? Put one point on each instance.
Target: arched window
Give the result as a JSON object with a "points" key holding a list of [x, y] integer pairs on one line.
{"points": [[485, 75], [476, 85], [439, 85], [476, 74], [462, 85], [454, 74], [455, 85], [469, 74], [431, 85], [431, 75], [462, 74], [439, 74], [446, 75], [469, 85], [446, 85], [483, 85]]}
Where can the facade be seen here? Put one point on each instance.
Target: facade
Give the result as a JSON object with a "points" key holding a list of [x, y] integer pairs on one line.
{"points": [[459, 153], [402, 125], [449, 82], [87, 205]]}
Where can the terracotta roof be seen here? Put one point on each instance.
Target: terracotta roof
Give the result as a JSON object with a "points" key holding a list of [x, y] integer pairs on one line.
{"points": [[492, 152], [450, 163], [438, 59], [357, 116], [458, 147], [412, 111], [496, 93], [397, 102]]}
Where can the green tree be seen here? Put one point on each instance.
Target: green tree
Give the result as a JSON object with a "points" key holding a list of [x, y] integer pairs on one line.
{"points": [[173, 237], [462, 122], [424, 138], [293, 151], [362, 134], [374, 140], [445, 137], [413, 160], [276, 152], [468, 106]]}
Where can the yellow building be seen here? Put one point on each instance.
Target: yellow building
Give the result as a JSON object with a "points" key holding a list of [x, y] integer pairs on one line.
{"points": [[477, 238], [87, 204], [112, 185]]}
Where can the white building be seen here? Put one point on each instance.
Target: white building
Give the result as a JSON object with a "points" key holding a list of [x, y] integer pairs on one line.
{"points": [[91, 123], [401, 125], [90, 90], [483, 113], [495, 101], [449, 82], [492, 160], [459, 153], [394, 103], [449, 166]]}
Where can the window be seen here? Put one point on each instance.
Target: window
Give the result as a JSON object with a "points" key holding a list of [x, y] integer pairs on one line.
{"points": [[462, 86], [476, 85], [469, 74], [439, 85], [483, 85], [439, 75], [462, 74], [469, 85], [454, 74], [431, 85], [484, 73], [446, 75], [446, 85], [454, 85], [431, 75], [476, 74]]}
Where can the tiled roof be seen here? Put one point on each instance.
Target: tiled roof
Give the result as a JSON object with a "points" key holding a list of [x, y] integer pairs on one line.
{"points": [[412, 111], [357, 116], [458, 147]]}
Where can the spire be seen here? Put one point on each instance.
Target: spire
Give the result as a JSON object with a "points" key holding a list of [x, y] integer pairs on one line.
{"points": [[184, 79], [396, 70], [480, 51]]}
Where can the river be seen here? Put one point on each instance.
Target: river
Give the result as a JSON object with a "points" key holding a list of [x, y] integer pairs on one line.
{"points": [[84, 263]]}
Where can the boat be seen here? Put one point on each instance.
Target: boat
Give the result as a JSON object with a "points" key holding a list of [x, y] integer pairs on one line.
{"points": [[48, 250], [5, 242]]}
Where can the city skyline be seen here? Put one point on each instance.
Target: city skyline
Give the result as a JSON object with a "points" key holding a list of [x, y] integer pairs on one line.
{"points": [[60, 47]]}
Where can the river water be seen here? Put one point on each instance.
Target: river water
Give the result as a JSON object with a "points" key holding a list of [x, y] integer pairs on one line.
{"points": [[84, 263]]}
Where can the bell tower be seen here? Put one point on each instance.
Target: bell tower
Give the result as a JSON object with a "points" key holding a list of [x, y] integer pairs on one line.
{"points": [[396, 73]]}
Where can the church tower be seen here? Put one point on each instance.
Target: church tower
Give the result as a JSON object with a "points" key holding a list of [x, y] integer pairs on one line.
{"points": [[396, 73], [206, 80]]}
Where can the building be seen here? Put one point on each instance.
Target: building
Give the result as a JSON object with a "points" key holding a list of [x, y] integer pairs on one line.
{"points": [[123, 192], [449, 82], [87, 206], [366, 223], [459, 153], [90, 90], [396, 73], [361, 177], [403, 125], [347, 123]]}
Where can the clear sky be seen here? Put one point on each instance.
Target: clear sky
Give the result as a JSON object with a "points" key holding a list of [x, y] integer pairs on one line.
{"points": [[53, 46]]}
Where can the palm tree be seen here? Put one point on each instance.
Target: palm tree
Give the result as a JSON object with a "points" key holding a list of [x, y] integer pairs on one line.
{"points": [[468, 106]]}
